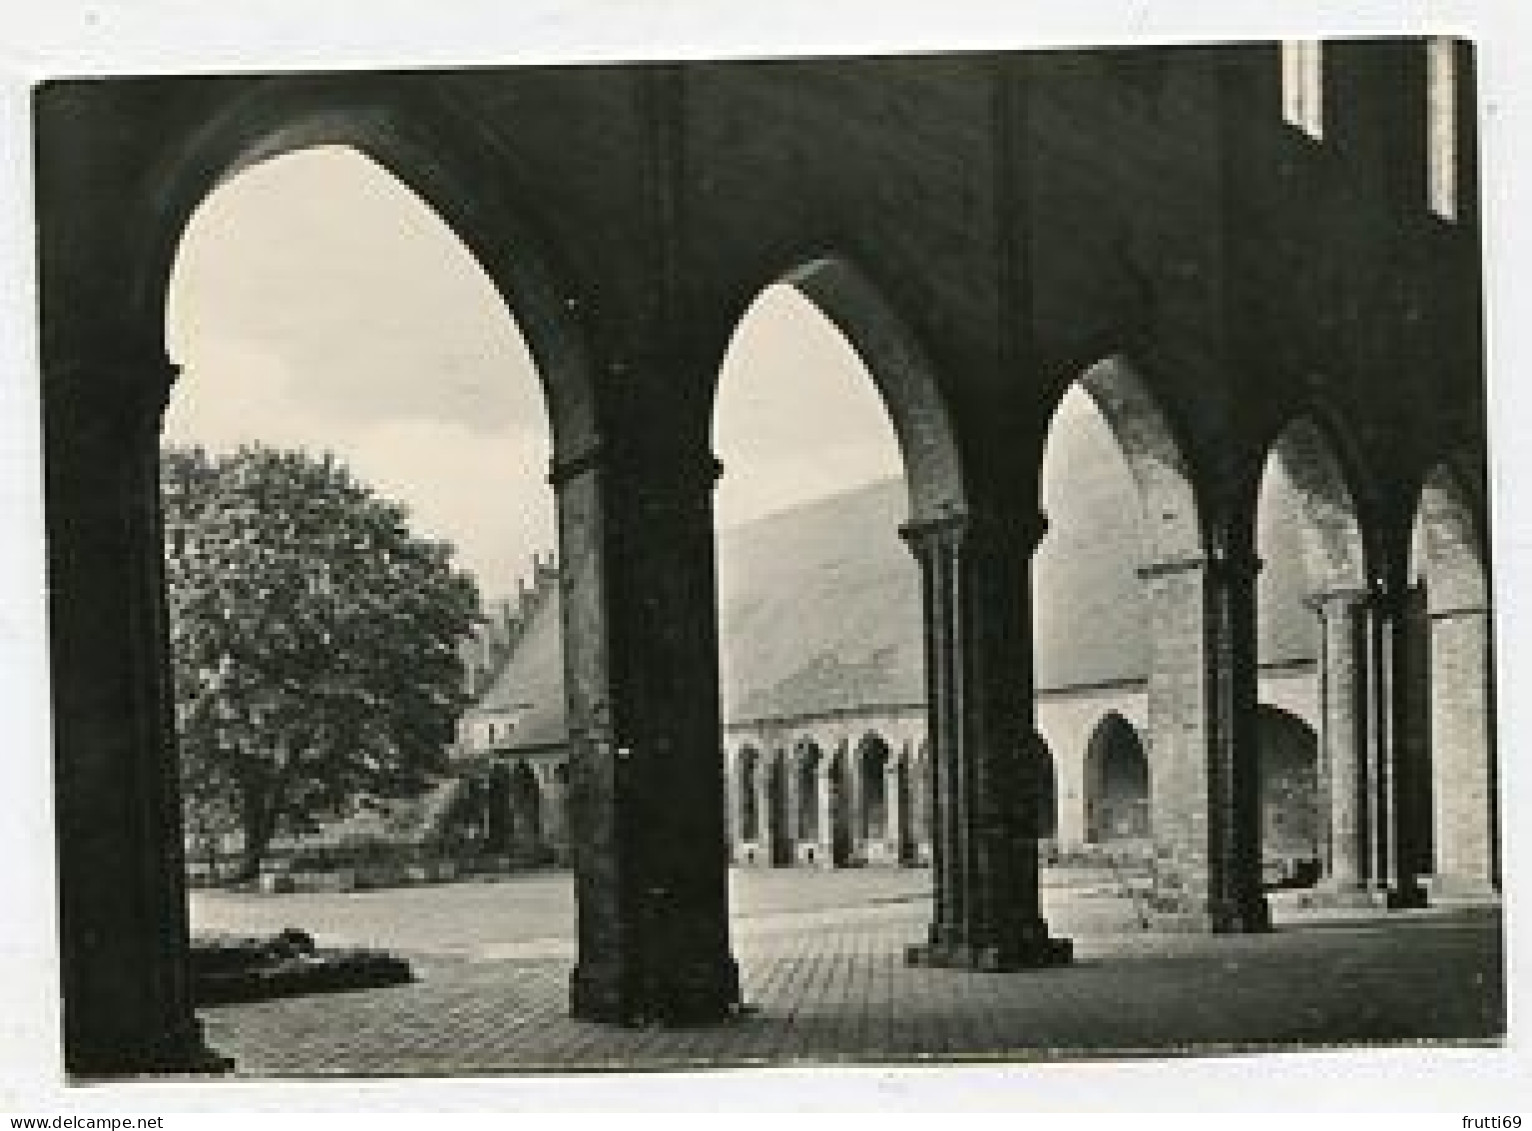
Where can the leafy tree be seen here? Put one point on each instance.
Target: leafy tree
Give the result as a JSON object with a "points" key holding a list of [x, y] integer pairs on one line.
{"points": [[315, 641]]}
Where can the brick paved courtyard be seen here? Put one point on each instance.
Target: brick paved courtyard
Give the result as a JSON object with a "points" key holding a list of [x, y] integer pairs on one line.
{"points": [[821, 960]]}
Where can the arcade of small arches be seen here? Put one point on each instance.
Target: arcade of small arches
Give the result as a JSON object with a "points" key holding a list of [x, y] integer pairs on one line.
{"points": [[516, 811], [1150, 276]]}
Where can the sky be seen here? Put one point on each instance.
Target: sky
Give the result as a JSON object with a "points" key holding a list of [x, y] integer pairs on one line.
{"points": [[317, 303]]}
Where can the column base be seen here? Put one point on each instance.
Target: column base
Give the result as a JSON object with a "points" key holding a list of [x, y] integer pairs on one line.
{"points": [[1346, 894], [181, 1053], [1446, 888], [1183, 912], [1407, 897], [678, 994], [1029, 953]]}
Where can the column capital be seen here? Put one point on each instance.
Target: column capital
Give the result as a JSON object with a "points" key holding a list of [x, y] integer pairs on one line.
{"points": [[1228, 566], [688, 473], [109, 390], [977, 529], [1457, 612], [1344, 599]]}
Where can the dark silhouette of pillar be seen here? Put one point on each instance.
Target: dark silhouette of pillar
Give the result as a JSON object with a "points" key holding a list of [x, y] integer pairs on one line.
{"points": [[122, 899], [646, 794], [976, 585]]}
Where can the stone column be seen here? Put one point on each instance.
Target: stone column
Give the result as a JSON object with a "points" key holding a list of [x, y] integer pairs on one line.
{"points": [[763, 814], [824, 852], [791, 801], [1202, 743], [1394, 850], [646, 795], [893, 827], [976, 588], [1349, 769], [122, 898], [1462, 756]]}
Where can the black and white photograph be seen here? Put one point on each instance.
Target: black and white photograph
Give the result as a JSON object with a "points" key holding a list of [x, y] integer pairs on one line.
{"points": [[968, 556]]}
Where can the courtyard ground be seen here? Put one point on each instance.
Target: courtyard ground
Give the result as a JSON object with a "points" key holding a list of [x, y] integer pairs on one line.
{"points": [[821, 959]]}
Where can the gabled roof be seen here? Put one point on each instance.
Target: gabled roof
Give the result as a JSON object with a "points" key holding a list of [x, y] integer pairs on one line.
{"points": [[821, 606], [531, 683]]}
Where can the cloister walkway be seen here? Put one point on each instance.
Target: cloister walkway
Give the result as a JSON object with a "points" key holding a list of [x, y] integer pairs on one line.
{"points": [[822, 962]]}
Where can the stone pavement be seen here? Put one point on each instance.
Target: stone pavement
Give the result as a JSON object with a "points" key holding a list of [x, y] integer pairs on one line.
{"points": [[829, 984]]}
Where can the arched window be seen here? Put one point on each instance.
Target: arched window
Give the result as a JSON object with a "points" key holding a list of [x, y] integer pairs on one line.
{"points": [[872, 762], [749, 810]]}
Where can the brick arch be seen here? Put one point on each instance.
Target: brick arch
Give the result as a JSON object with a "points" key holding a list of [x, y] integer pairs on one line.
{"points": [[425, 150], [1155, 454], [1324, 470], [901, 371], [525, 796], [1118, 784], [1448, 562], [779, 818], [807, 756], [1447, 546]]}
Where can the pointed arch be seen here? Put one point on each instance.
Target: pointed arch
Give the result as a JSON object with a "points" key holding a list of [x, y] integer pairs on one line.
{"points": [[1312, 454], [874, 759], [1046, 793], [900, 370], [526, 807], [1447, 546], [425, 149], [806, 767], [1117, 782], [1289, 756], [1156, 457], [779, 817]]}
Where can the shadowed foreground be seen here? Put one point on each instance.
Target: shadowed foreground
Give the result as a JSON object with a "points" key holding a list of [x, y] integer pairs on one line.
{"points": [[829, 982]]}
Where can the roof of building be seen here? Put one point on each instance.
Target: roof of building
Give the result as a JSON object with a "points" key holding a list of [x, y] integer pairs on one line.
{"points": [[531, 684], [821, 603]]}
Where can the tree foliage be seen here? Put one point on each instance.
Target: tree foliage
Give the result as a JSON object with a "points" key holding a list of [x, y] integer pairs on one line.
{"points": [[314, 640]]}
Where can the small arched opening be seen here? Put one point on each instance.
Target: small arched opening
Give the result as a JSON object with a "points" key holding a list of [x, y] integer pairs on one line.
{"points": [[808, 771], [1116, 783], [526, 810], [1290, 829], [779, 809], [1045, 794], [748, 785]]}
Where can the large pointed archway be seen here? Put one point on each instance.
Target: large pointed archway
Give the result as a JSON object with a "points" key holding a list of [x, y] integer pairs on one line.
{"points": [[1117, 784], [1305, 467], [1453, 624], [122, 889], [1166, 609]]}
